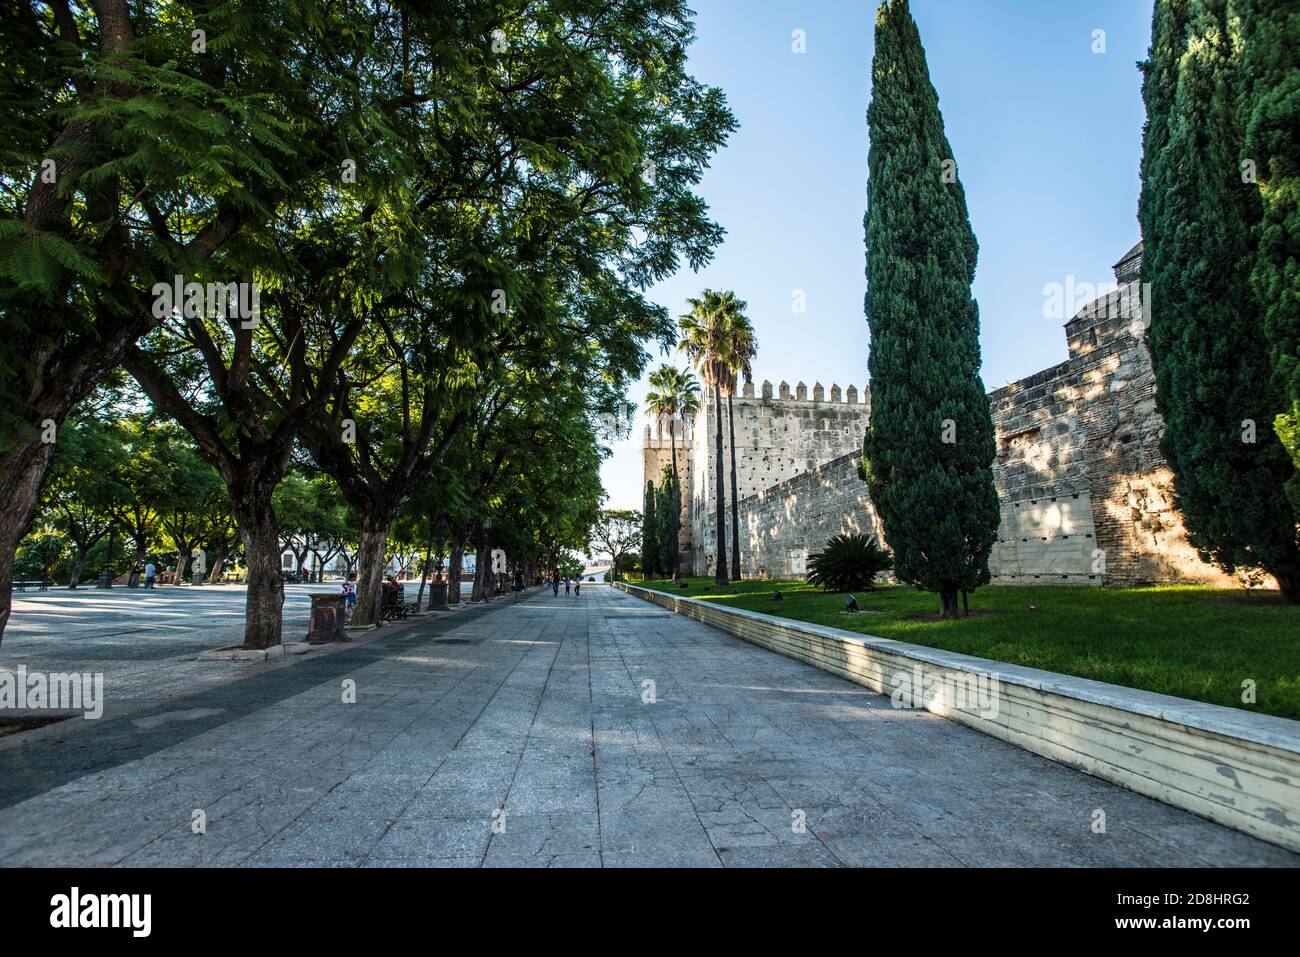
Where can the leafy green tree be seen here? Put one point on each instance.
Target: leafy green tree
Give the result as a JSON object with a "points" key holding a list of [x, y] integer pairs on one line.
{"points": [[1200, 220], [616, 533], [41, 554], [141, 483], [194, 494], [528, 251], [1271, 105], [674, 397], [134, 154], [649, 533], [80, 493], [930, 442]]}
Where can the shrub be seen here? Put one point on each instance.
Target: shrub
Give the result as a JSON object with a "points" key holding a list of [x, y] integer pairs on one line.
{"points": [[849, 562]]}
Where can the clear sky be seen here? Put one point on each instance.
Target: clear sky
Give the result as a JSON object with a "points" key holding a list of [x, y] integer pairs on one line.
{"points": [[1047, 137]]}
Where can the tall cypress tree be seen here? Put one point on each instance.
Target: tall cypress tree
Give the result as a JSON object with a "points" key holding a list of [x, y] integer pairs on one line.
{"points": [[667, 506], [1271, 114], [930, 442], [649, 534], [1200, 221]]}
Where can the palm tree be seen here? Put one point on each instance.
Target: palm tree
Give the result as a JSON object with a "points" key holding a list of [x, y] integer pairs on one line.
{"points": [[707, 332], [741, 349], [674, 393]]}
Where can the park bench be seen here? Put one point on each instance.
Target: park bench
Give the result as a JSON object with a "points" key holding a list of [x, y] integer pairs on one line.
{"points": [[395, 611], [38, 585]]}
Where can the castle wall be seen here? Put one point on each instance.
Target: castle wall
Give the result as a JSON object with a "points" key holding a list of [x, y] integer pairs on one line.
{"points": [[781, 526], [657, 453], [778, 438], [1086, 496], [1041, 473]]}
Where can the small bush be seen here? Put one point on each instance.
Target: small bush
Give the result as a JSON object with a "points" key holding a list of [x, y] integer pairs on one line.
{"points": [[849, 562]]}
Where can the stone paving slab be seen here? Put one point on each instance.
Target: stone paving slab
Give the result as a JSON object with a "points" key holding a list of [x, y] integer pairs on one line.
{"points": [[563, 732]]}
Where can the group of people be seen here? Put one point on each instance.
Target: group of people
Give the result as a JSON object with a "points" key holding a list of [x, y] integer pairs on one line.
{"points": [[555, 584], [390, 588]]}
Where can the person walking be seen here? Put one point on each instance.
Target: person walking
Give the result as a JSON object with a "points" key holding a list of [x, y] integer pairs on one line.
{"points": [[577, 586], [349, 596], [555, 584], [519, 583], [566, 584], [150, 570]]}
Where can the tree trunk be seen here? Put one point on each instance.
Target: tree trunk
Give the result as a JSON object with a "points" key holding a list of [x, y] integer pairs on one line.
{"points": [[138, 563], [1289, 584], [735, 494], [424, 569], [264, 604], [77, 567], [948, 603], [454, 569], [218, 560], [370, 561], [180, 567], [677, 512], [720, 563], [482, 590]]}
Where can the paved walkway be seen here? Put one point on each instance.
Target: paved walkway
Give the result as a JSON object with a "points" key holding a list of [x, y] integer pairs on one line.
{"points": [[526, 734]]}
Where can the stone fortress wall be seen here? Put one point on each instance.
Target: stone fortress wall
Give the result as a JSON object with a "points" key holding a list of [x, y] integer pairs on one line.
{"points": [[1086, 495], [780, 435]]}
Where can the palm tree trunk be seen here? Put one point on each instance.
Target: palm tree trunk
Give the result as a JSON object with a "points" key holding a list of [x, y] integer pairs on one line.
{"points": [[677, 512], [735, 494], [720, 566]]}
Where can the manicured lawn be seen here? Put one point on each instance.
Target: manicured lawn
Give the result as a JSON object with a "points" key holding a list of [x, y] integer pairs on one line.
{"points": [[1198, 643]]}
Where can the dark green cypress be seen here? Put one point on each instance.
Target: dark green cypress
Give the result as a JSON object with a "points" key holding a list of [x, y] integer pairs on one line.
{"points": [[1200, 216], [930, 445], [649, 534], [1271, 114], [668, 505]]}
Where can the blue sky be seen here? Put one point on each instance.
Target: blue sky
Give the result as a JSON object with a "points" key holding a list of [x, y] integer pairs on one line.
{"points": [[1046, 133]]}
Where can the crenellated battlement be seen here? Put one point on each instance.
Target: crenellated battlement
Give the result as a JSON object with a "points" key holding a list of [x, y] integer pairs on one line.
{"points": [[782, 393]]}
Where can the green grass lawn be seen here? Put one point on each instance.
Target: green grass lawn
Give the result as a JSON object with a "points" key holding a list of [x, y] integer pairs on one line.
{"points": [[1193, 642]]}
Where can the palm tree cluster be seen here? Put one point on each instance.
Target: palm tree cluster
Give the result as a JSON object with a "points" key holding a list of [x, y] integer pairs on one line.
{"points": [[719, 341]]}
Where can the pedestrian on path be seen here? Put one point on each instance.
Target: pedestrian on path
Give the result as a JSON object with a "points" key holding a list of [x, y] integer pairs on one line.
{"points": [[349, 596], [555, 584], [150, 571], [577, 586], [519, 583], [566, 584]]}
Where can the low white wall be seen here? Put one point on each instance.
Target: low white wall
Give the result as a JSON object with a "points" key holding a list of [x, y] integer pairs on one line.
{"points": [[1239, 769]]}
